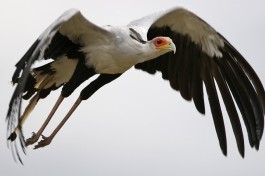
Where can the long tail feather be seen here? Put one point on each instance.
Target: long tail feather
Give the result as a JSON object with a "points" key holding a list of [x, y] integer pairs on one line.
{"points": [[33, 102]]}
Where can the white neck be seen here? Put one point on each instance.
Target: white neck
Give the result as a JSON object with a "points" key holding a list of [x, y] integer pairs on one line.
{"points": [[119, 54]]}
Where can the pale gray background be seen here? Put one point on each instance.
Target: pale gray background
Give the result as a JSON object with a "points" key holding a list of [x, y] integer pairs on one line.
{"points": [[137, 125]]}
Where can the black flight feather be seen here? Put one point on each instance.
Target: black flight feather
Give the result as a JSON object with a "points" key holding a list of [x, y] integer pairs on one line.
{"points": [[235, 78], [230, 106]]}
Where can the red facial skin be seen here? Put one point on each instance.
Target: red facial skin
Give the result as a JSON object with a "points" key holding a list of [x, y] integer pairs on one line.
{"points": [[160, 42]]}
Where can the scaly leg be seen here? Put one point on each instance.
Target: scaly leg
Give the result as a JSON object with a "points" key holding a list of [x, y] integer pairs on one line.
{"points": [[85, 94], [81, 74], [47, 140], [36, 136]]}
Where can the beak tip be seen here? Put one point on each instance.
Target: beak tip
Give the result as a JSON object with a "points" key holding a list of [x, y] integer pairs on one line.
{"points": [[174, 48]]}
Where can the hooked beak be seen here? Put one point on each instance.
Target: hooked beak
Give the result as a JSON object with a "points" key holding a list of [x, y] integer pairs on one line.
{"points": [[170, 46]]}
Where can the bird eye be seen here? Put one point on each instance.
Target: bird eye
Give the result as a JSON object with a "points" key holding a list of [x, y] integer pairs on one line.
{"points": [[158, 42]]}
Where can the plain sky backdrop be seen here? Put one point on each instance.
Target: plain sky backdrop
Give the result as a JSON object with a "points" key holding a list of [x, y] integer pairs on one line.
{"points": [[137, 125]]}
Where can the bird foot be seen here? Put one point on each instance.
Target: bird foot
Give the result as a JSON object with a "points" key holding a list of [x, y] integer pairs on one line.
{"points": [[33, 139], [45, 141]]}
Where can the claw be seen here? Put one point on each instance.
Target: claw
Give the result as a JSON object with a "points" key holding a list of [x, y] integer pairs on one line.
{"points": [[44, 137], [34, 138], [45, 141]]}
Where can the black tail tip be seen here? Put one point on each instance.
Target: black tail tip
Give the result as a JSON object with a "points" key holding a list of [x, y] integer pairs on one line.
{"points": [[12, 136]]}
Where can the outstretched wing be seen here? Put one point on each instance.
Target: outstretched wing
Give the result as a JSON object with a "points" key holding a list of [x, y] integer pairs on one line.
{"points": [[65, 36], [205, 56]]}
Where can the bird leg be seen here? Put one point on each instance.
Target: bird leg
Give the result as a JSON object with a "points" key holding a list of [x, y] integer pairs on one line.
{"points": [[84, 95], [47, 140], [36, 136], [81, 74]]}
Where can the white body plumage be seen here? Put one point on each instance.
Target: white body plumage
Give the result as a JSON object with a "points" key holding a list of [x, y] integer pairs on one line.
{"points": [[119, 52]]}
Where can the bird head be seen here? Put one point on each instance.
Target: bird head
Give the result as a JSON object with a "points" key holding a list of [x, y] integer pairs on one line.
{"points": [[164, 44]]}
